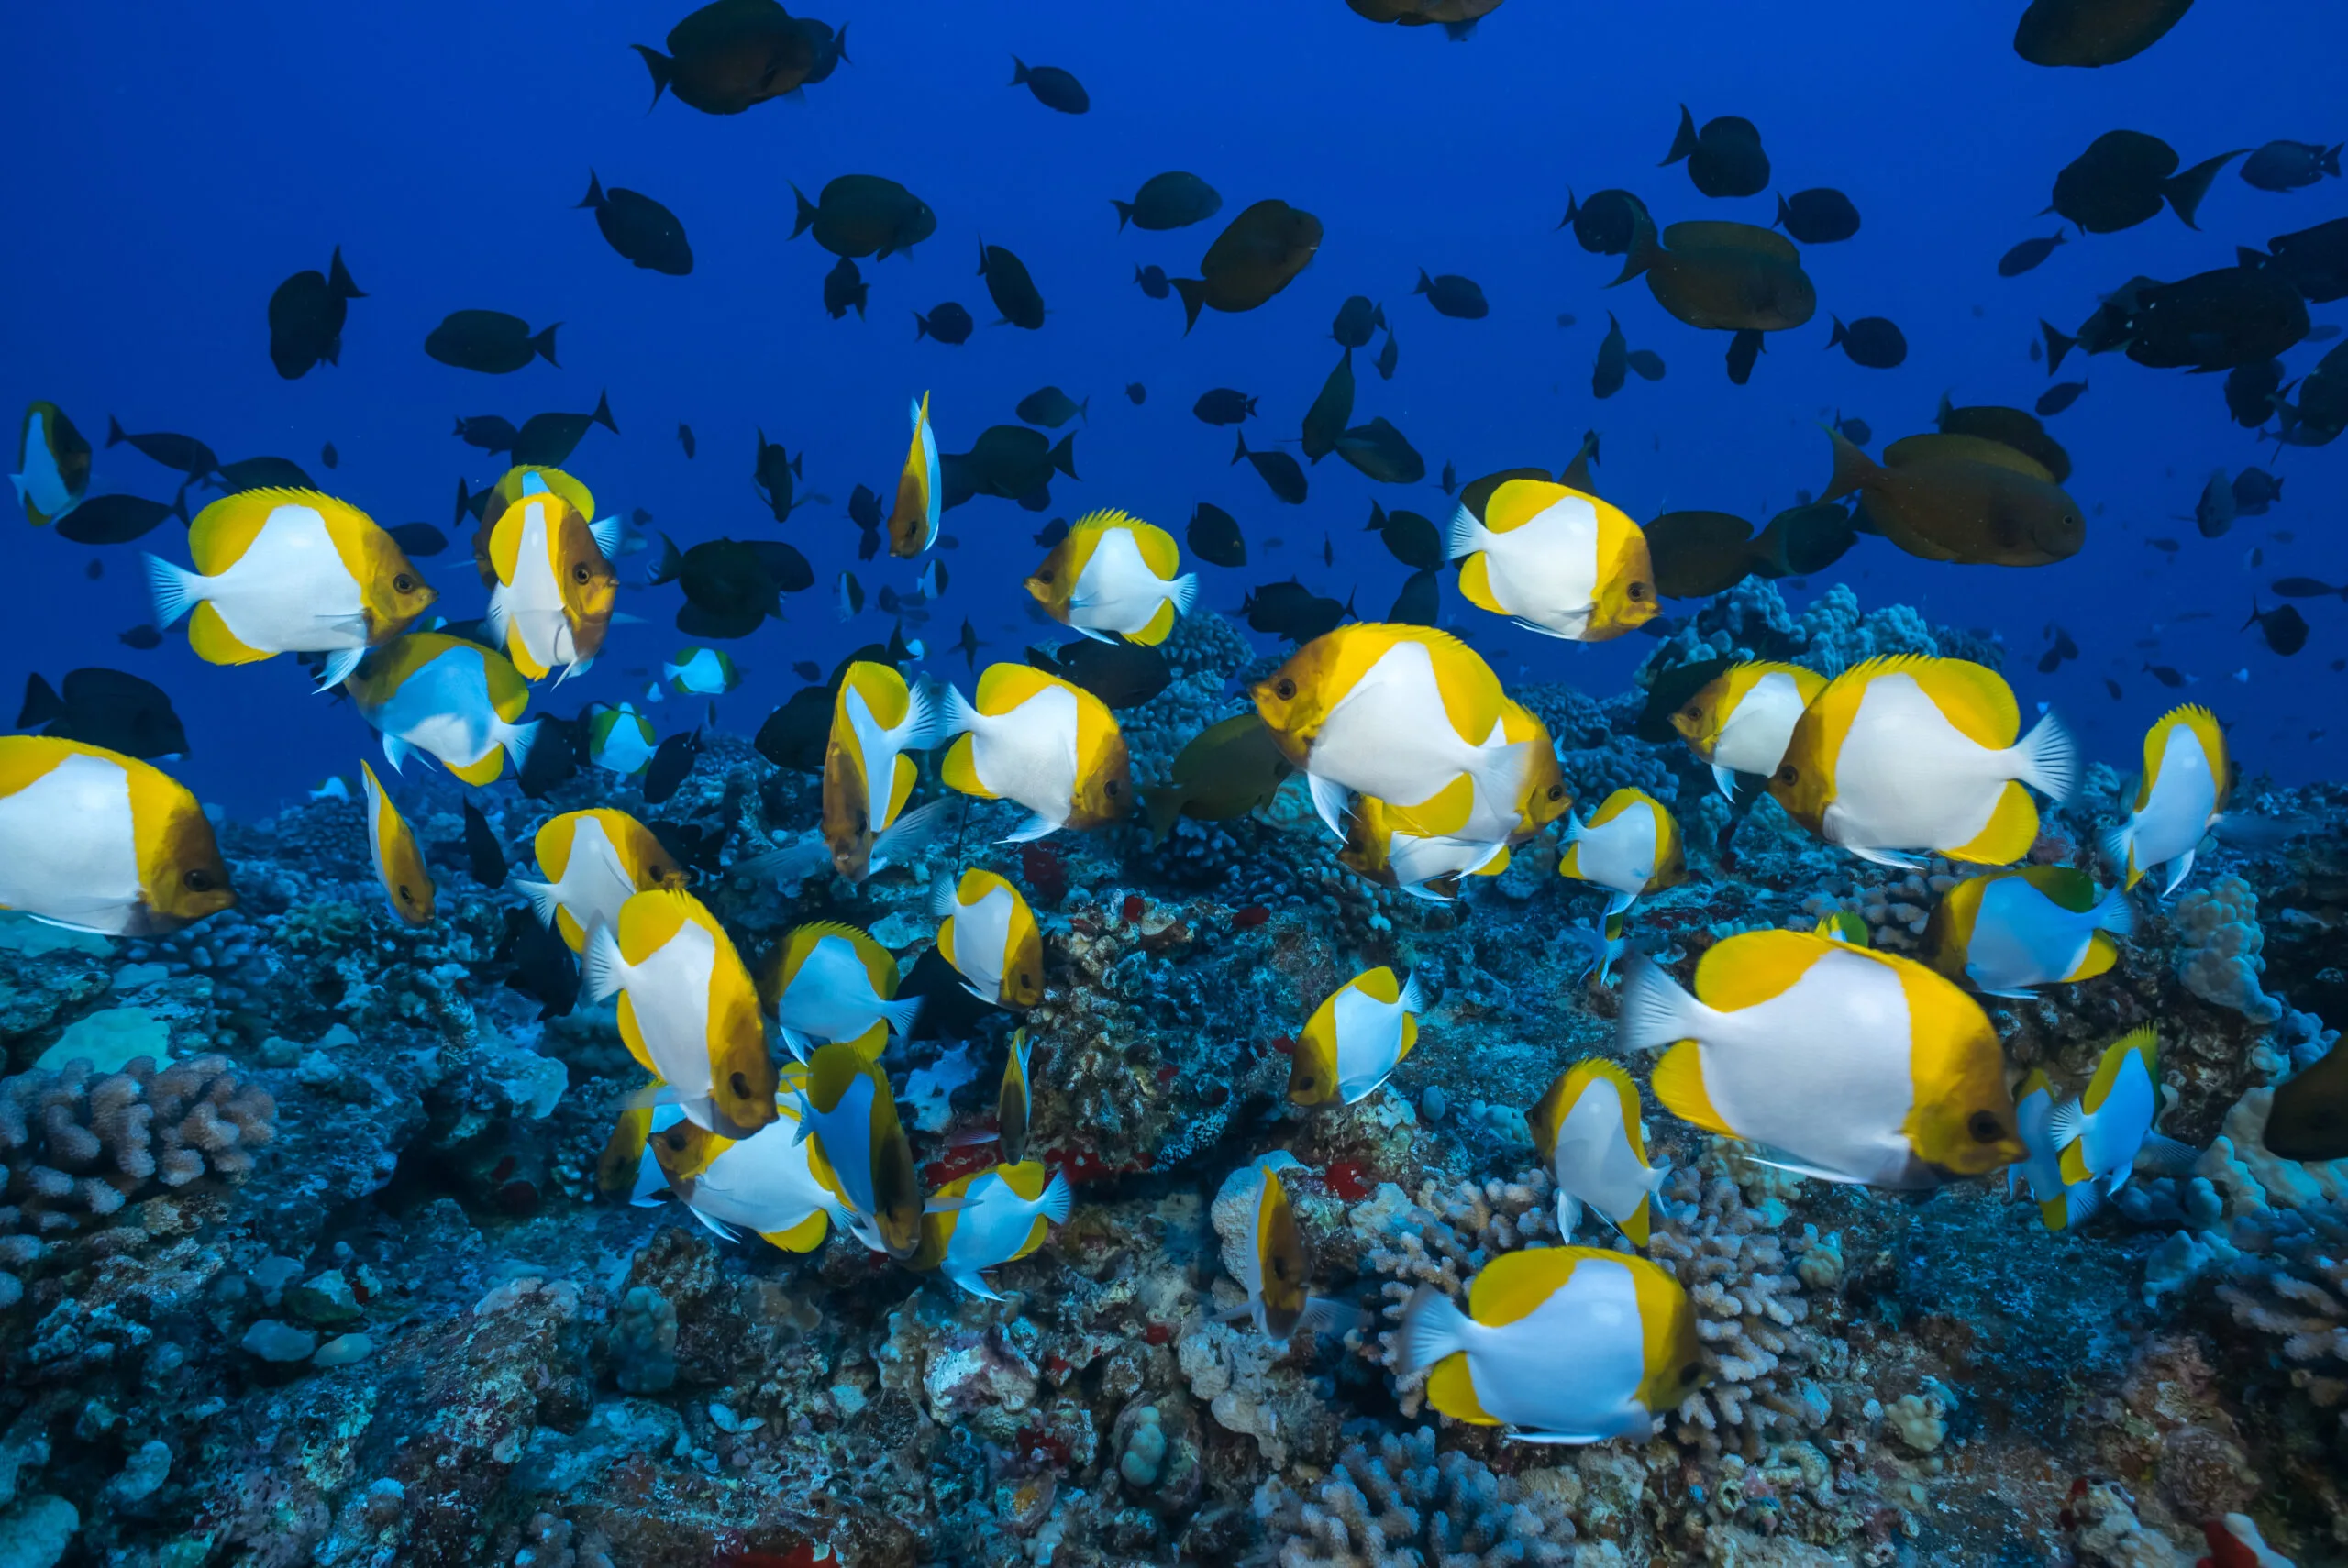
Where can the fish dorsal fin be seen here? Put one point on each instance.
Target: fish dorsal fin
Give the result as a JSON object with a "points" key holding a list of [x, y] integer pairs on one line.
{"points": [[1972, 697], [1378, 985], [1597, 1075], [1933, 447], [1514, 1286], [1753, 967], [1025, 1179], [2036, 1083], [2064, 886], [1617, 803], [650, 918], [2204, 725], [2142, 1041], [804, 939], [225, 530], [1703, 233], [1679, 1083], [1005, 686], [1519, 501]]}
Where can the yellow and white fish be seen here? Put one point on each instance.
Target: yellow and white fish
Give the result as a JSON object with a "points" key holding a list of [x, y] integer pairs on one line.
{"points": [[768, 1182], [450, 699], [1849, 1064], [1629, 846], [1405, 713], [913, 522], [704, 672], [846, 1106], [594, 861], [1033, 738], [830, 982], [1555, 561], [877, 720], [1586, 1130], [528, 479], [1907, 753], [1425, 866], [289, 571], [628, 1169], [1355, 1039], [1559, 1344], [620, 739], [552, 604], [1274, 1270], [52, 465], [2104, 1131], [2179, 798], [688, 1011], [96, 841], [399, 862], [1014, 1104], [2005, 932], [1739, 722], [1114, 573], [1005, 1212], [987, 933], [2061, 1205]]}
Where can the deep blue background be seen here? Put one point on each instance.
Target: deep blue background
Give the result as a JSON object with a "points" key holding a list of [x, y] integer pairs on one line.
{"points": [[171, 166]]}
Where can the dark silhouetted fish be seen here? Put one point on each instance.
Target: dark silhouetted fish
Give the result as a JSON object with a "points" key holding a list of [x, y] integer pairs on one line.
{"points": [[1172, 200], [1724, 159], [1604, 224], [182, 453], [1011, 286], [1818, 217], [547, 440], [731, 54], [2093, 32], [1278, 469], [2028, 255], [1053, 87], [1215, 537], [2284, 629], [484, 856], [118, 519], [307, 316], [1223, 405], [948, 323], [1872, 341], [1292, 611], [864, 215], [105, 708], [2059, 396], [2290, 165], [1258, 254], [1051, 408], [489, 341], [490, 432], [845, 290], [1152, 281], [1453, 295], [2123, 177], [419, 541], [1123, 675], [639, 229], [1412, 539]]}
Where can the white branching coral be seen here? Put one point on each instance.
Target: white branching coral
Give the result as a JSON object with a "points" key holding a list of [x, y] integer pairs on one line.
{"points": [[1403, 1506]]}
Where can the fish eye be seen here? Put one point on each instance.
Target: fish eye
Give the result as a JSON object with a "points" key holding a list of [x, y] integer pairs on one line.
{"points": [[1027, 981], [1693, 1371], [406, 897], [1693, 711], [1111, 789], [197, 881], [580, 573], [1788, 774], [1556, 791], [1638, 590], [403, 583], [674, 1138], [740, 1085], [1285, 690], [1044, 575], [1985, 1127]]}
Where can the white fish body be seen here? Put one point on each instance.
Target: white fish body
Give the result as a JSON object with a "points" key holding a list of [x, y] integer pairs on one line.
{"points": [[1025, 753], [993, 1224], [1390, 736], [69, 850], [1544, 574], [1117, 591], [288, 592], [1752, 739], [1907, 778]]}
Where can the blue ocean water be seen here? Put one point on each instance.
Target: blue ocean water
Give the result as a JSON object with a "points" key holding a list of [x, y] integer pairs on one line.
{"points": [[181, 164]]}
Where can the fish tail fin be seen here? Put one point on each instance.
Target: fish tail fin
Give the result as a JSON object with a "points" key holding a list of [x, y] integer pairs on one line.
{"points": [[1242, 453], [1784, 212], [603, 970], [1644, 248], [499, 622], [2050, 758], [602, 414], [1683, 141], [1161, 805], [918, 731], [1409, 998], [1018, 72], [542, 344], [662, 67], [671, 563], [1194, 294], [2185, 190], [1063, 455], [1124, 216], [116, 436], [960, 716], [1834, 340], [907, 833], [901, 1014], [1853, 467], [1466, 536], [176, 590], [1433, 1328], [339, 280], [594, 196], [2115, 914], [1573, 208], [1656, 1011], [921, 327], [2058, 343], [1499, 770], [807, 214], [517, 740], [545, 898], [1056, 1199], [1184, 593], [1425, 285], [942, 901], [41, 703]]}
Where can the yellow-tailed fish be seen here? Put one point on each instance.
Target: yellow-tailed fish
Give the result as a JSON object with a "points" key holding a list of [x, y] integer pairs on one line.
{"points": [[620, 739], [1586, 1130], [2180, 795], [1405, 713], [97, 841], [552, 604], [288, 572], [1422, 866], [2005, 932], [1849, 1064], [1355, 1039], [527, 479], [1555, 561], [2103, 1132], [1274, 1270], [1033, 738], [594, 861], [399, 862], [1630, 846], [768, 1182], [628, 1169], [876, 719], [1015, 1105], [450, 699], [2060, 1206], [1739, 722], [1907, 753], [1559, 1344], [846, 1106], [687, 1010], [913, 522], [1114, 573], [52, 465], [831, 982], [1004, 1213], [987, 933]]}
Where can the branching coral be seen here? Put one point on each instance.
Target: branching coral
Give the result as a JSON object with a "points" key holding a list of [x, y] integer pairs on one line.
{"points": [[2218, 942], [1403, 1506], [2291, 1282]]}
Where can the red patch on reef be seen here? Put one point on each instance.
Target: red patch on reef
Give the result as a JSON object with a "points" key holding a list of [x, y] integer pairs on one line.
{"points": [[1349, 1179], [801, 1556], [2225, 1551], [1165, 1072], [1044, 872], [1134, 908], [1158, 1333], [959, 1160], [1284, 1045], [1251, 917]]}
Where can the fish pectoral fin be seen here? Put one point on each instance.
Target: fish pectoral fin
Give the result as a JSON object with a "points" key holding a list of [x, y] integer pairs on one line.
{"points": [[1725, 779], [2163, 1155], [942, 1206], [1900, 859], [975, 1282], [1779, 1159], [1515, 1434], [1330, 800], [337, 667], [1034, 827]]}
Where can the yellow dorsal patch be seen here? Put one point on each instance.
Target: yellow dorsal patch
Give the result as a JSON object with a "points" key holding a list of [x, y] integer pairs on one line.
{"points": [[1025, 1179], [1679, 1083], [903, 777], [2036, 1083], [1378, 985], [27, 759], [650, 918], [553, 844], [505, 540], [959, 771], [2204, 725], [2064, 886], [1514, 1284], [1974, 699], [1614, 805], [879, 966], [1749, 968], [2142, 1041], [885, 695], [1519, 501], [225, 530], [2011, 829], [1003, 686]]}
